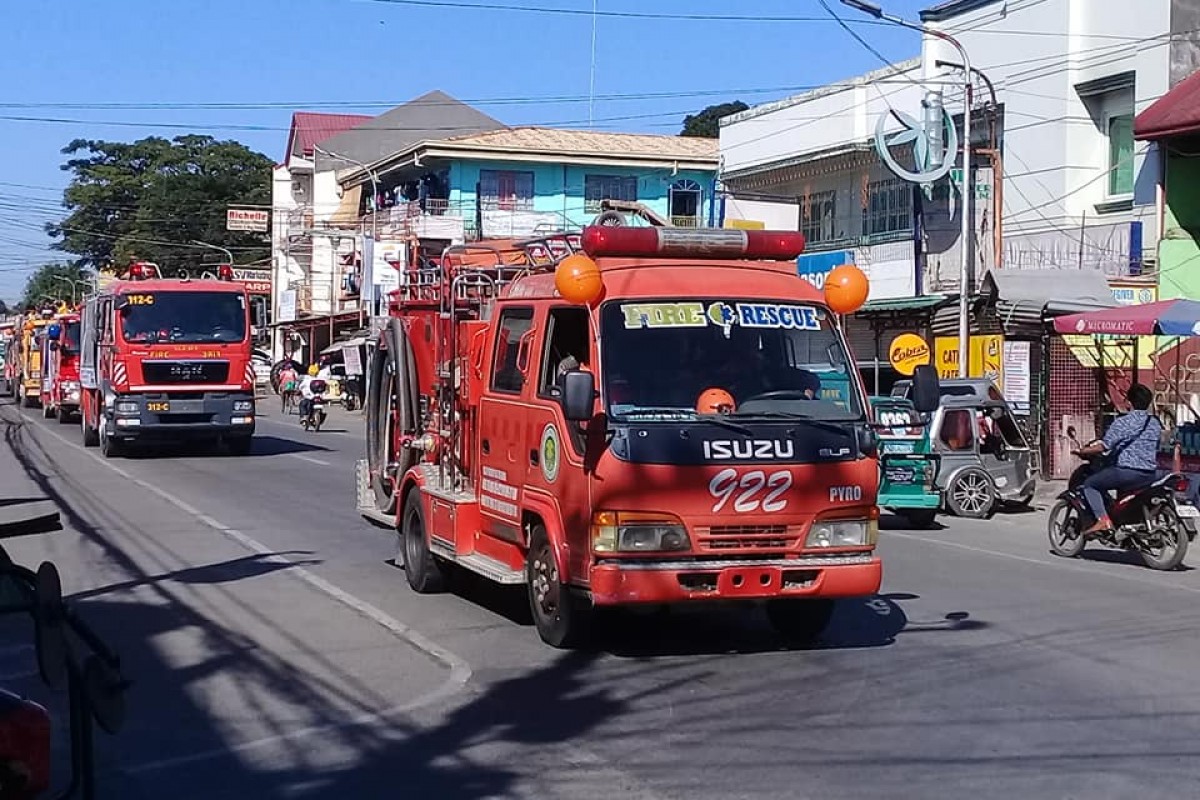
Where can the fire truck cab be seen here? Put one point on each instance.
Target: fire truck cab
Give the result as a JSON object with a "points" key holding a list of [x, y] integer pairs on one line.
{"points": [[629, 416], [60, 379], [167, 359]]}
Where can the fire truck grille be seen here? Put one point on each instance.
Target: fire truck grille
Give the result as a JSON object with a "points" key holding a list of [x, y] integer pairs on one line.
{"points": [[186, 371], [748, 537]]}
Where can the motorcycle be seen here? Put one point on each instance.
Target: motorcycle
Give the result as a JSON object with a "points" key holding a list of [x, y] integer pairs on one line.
{"points": [[315, 417], [1156, 520]]}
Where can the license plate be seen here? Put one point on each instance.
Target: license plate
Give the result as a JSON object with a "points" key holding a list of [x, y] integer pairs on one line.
{"points": [[159, 408], [1190, 512]]}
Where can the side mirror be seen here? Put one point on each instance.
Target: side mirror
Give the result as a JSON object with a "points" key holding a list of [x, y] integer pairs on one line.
{"points": [[926, 389], [578, 395], [53, 345]]}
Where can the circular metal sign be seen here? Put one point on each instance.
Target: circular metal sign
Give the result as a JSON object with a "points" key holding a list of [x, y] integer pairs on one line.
{"points": [[915, 132]]}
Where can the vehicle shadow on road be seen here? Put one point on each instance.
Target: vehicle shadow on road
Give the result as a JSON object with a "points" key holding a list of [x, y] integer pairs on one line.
{"points": [[263, 446], [1126, 558], [251, 566]]}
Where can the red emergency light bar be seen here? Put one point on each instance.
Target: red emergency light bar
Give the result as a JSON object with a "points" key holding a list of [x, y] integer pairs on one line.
{"points": [[600, 241], [225, 272]]}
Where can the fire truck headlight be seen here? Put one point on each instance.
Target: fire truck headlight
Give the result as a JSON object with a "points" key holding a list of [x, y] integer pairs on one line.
{"points": [[638, 533], [127, 407], [843, 533], [243, 405]]}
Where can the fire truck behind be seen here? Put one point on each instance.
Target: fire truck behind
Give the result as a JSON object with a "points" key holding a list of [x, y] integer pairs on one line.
{"points": [[167, 359], [28, 364], [60, 379], [629, 416]]}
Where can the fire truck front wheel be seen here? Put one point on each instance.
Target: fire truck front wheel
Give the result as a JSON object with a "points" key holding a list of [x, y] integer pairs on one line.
{"points": [[425, 573], [561, 617], [801, 621], [110, 446]]}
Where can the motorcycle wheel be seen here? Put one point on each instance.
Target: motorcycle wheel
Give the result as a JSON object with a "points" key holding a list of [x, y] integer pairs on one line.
{"points": [[1065, 529], [1166, 544]]}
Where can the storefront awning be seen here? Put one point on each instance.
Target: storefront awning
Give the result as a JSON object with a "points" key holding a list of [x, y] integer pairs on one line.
{"points": [[900, 304], [1176, 113], [1025, 298]]}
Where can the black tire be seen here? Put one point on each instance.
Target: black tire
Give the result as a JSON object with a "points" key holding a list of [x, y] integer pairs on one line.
{"points": [[1065, 530], [110, 447], [47, 411], [239, 445], [64, 416], [562, 619], [1165, 527], [91, 437], [425, 573], [971, 494], [920, 517], [800, 621]]}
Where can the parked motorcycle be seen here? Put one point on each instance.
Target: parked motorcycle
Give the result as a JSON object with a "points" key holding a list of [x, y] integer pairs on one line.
{"points": [[69, 655], [1155, 521]]}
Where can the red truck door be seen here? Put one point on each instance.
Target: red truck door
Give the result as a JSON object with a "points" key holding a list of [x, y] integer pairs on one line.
{"points": [[503, 417]]}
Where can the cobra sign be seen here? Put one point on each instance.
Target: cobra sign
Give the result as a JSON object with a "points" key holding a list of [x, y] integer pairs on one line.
{"points": [[916, 133]]}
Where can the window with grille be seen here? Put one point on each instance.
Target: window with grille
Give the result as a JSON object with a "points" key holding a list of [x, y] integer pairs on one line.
{"points": [[817, 217], [503, 190], [888, 209], [607, 187]]}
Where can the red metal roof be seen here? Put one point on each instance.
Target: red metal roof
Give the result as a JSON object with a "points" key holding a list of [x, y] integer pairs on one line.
{"points": [[1175, 113], [311, 127]]}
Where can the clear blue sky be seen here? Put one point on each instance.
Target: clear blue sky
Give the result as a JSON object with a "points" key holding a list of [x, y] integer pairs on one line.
{"points": [[285, 54]]}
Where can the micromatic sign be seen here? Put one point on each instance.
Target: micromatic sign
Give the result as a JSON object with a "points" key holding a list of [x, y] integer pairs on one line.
{"points": [[815, 267], [1106, 326]]}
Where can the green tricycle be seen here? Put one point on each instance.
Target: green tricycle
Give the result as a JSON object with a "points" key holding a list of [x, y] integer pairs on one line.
{"points": [[908, 467]]}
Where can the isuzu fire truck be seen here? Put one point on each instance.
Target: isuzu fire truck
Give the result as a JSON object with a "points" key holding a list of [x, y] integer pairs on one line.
{"points": [[167, 358], [60, 355], [633, 415]]}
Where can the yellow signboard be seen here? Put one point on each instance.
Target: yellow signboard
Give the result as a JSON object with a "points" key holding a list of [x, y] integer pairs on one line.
{"points": [[907, 352], [986, 357], [745, 224]]}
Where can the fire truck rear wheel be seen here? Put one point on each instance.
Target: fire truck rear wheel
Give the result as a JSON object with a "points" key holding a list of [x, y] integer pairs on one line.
{"points": [[64, 416], [91, 436], [47, 411], [801, 621], [110, 447], [562, 619], [425, 572]]}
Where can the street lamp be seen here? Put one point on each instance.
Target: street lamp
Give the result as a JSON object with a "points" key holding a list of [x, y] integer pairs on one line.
{"points": [[71, 281], [374, 225], [228, 254], [875, 11]]}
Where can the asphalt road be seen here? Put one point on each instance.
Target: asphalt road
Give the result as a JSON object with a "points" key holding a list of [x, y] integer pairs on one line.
{"points": [[277, 652]]}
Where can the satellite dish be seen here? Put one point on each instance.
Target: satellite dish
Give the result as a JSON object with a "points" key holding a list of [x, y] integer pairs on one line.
{"points": [[49, 627]]}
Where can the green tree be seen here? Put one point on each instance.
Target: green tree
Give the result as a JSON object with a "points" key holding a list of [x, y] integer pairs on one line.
{"points": [[45, 283], [151, 198], [706, 124]]}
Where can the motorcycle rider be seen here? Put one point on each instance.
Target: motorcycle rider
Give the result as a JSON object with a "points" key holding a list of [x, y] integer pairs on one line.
{"points": [[310, 387], [1133, 440]]}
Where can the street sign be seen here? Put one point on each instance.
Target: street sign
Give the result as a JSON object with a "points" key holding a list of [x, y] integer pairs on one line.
{"points": [[247, 219]]}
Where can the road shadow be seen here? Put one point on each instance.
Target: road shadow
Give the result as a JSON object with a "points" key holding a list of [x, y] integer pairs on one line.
{"points": [[263, 446], [892, 521], [237, 569], [1125, 558]]}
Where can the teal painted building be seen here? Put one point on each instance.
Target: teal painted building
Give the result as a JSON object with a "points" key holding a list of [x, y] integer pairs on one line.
{"points": [[519, 181]]}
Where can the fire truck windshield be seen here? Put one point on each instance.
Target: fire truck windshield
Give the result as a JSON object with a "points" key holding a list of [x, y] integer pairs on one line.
{"points": [[182, 317], [773, 358], [70, 335]]}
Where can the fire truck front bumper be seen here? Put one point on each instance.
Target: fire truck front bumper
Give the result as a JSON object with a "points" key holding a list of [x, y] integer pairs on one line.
{"points": [[150, 416], [679, 581]]}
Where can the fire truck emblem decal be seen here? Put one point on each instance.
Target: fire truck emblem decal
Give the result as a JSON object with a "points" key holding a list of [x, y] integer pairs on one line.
{"points": [[550, 453]]}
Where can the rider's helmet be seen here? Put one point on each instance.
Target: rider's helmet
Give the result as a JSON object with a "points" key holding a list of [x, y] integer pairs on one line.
{"points": [[313, 369], [714, 401]]}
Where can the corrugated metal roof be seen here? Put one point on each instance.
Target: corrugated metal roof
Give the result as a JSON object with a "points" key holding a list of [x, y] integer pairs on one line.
{"points": [[312, 127], [430, 117], [575, 142], [1175, 113]]}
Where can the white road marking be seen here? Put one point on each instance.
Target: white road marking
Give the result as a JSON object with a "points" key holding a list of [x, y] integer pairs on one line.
{"points": [[1055, 564], [460, 671], [309, 459]]}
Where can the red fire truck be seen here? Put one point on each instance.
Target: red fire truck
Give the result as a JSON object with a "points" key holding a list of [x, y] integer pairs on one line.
{"points": [[637, 415], [60, 378], [167, 359]]}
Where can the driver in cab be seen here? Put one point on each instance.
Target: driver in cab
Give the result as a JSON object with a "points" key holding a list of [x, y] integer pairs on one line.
{"points": [[1133, 440]]}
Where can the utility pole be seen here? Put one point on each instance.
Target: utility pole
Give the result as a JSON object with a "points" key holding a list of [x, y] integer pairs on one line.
{"points": [[964, 272]]}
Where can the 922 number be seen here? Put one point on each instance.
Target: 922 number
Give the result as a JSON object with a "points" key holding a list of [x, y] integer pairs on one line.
{"points": [[727, 483]]}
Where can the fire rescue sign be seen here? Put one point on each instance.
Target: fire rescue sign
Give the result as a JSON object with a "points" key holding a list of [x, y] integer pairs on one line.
{"points": [[695, 315]]}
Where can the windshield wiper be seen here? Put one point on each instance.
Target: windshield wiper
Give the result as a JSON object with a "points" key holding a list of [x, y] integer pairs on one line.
{"points": [[834, 427], [691, 416]]}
